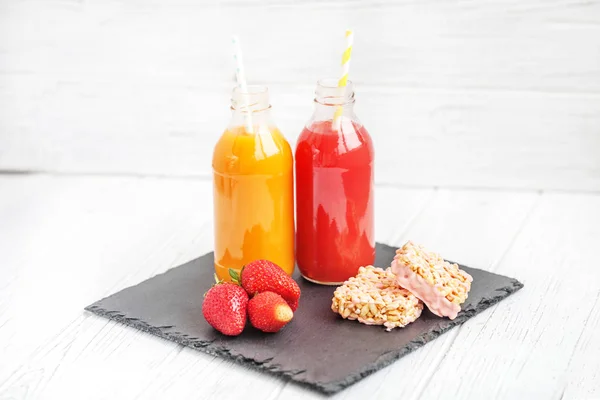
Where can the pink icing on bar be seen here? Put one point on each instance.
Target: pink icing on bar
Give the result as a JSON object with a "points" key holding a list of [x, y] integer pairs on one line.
{"points": [[435, 301]]}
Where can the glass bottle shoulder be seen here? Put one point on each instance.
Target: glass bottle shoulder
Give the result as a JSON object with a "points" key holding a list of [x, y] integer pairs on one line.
{"points": [[265, 152], [327, 147]]}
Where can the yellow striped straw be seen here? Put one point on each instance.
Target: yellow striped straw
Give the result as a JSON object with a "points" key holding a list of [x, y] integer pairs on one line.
{"points": [[346, 56]]}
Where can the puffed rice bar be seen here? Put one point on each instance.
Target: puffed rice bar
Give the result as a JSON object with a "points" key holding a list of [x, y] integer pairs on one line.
{"points": [[442, 286], [373, 297]]}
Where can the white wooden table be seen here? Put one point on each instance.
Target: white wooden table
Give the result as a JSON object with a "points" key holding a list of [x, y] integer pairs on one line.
{"points": [[68, 241], [486, 122]]}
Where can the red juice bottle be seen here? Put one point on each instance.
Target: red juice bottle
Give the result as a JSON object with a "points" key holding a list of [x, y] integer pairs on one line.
{"points": [[334, 190]]}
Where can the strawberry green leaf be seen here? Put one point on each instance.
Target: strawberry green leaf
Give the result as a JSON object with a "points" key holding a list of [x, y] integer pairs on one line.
{"points": [[235, 277]]}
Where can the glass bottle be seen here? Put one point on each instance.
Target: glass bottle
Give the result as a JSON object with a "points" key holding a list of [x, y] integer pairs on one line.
{"points": [[334, 190], [253, 188]]}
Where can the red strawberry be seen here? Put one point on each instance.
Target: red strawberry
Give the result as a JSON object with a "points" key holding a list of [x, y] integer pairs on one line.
{"points": [[293, 305], [269, 312], [262, 275], [224, 308]]}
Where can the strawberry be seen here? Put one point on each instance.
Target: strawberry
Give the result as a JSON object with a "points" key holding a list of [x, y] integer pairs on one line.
{"points": [[269, 312], [224, 308], [263, 275], [293, 305]]}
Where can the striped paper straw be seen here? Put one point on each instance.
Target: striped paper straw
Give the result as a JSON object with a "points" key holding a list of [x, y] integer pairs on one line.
{"points": [[241, 80], [337, 117]]}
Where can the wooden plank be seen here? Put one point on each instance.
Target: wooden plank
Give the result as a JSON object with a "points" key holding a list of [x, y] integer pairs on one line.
{"points": [[533, 45], [492, 94], [583, 369], [473, 227], [422, 138], [540, 342], [68, 241]]}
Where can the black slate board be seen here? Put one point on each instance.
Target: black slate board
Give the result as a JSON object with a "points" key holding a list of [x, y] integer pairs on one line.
{"points": [[318, 348]]}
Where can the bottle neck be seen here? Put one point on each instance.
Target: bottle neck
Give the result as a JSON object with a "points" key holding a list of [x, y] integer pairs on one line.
{"points": [[251, 109], [325, 112], [329, 98], [256, 119]]}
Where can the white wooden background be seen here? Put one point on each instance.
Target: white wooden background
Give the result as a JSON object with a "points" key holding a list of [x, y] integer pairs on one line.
{"points": [[467, 93], [486, 120]]}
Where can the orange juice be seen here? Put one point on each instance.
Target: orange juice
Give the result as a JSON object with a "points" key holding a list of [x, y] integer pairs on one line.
{"points": [[253, 195]]}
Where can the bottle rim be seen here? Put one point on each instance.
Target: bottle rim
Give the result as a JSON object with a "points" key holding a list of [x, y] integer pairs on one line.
{"points": [[328, 92], [254, 99]]}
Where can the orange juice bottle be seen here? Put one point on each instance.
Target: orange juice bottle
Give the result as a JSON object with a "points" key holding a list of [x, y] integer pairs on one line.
{"points": [[253, 188]]}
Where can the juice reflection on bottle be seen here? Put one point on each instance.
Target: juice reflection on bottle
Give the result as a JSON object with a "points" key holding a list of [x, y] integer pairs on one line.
{"points": [[253, 189], [334, 191]]}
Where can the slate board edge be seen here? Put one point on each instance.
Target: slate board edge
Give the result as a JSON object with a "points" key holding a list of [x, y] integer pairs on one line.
{"points": [[204, 346], [328, 388]]}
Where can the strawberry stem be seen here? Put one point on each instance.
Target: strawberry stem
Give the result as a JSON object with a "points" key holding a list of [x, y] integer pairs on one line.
{"points": [[217, 282]]}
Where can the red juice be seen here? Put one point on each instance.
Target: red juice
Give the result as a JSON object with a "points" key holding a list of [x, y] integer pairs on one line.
{"points": [[334, 192]]}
